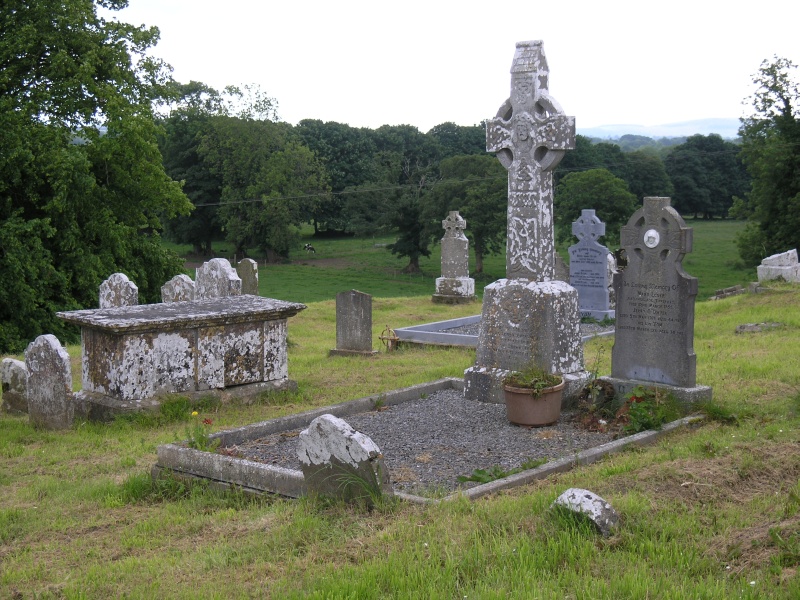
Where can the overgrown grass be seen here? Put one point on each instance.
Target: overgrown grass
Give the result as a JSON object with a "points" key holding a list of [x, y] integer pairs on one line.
{"points": [[710, 512]]}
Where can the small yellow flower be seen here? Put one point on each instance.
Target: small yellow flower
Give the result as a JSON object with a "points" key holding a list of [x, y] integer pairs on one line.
{"points": [[194, 413]]}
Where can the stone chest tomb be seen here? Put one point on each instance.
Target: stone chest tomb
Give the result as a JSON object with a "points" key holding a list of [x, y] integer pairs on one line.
{"points": [[133, 354]]}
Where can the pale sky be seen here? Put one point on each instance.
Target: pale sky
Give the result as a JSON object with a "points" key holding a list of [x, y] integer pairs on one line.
{"points": [[371, 63]]}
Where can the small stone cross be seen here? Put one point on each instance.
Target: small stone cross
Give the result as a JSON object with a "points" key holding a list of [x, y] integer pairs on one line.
{"points": [[530, 135], [454, 224], [588, 226]]}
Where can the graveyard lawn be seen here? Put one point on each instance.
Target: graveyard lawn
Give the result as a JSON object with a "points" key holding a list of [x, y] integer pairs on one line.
{"points": [[709, 512]]}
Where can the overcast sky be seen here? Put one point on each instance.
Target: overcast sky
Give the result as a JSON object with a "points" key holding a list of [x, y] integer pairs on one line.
{"points": [[370, 63]]}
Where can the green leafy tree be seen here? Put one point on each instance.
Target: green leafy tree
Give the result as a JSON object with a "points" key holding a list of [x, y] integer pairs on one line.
{"points": [[82, 185], [455, 140], [646, 174], [706, 174], [477, 187], [598, 189], [771, 153]]}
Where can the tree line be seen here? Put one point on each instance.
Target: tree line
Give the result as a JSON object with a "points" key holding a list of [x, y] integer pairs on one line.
{"points": [[102, 152], [254, 179]]}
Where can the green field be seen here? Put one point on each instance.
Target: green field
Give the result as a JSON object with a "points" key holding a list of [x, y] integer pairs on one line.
{"points": [[711, 511], [366, 265]]}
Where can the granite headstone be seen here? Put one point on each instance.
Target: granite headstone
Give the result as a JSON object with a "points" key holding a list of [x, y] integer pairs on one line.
{"points": [[588, 267], [118, 290], [455, 286], [50, 401], [353, 324]]}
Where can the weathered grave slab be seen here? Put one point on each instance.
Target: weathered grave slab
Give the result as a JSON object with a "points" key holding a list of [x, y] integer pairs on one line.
{"points": [[783, 266], [178, 289], [339, 462], [132, 355], [455, 286], [14, 379], [49, 388], [216, 279], [353, 324], [654, 341], [588, 267], [118, 290]]}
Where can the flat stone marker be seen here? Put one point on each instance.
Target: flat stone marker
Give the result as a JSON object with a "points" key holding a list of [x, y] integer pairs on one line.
{"points": [[178, 289], [588, 267], [14, 379], [50, 402], [654, 339], [339, 462], [455, 286], [782, 265], [353, 324], [591, 506], [118, 290], [247, 269], [216, 279], [528, 317]]}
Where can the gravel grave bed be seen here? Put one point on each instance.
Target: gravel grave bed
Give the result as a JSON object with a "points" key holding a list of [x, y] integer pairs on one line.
{"points": [[428, 443]]}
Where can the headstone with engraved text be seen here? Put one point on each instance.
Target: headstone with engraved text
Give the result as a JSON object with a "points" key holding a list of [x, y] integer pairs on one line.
{"points": [[588, 267], [353, 324], [654, 339]]}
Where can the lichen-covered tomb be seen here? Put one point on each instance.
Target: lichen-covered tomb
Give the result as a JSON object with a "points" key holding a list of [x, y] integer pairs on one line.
{"points": [[133, 354]]}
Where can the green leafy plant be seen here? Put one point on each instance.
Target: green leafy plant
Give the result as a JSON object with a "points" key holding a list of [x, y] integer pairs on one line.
{"points": [[198, 434], [648, 408], [497, 472], [533, 378]]}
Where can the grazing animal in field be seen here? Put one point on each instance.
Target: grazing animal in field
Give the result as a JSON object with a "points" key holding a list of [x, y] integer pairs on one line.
{"points": [[310, 248]]}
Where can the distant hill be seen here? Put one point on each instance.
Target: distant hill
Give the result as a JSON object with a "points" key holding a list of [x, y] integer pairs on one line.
{"points": [[727, 128]]}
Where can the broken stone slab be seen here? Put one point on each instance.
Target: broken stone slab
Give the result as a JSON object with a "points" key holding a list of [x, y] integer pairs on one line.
{"points": [[50, 401], [756, 327], [14, 378], [780, 266], [216, 279], [118, 290], [588, 504], [340, 462]]}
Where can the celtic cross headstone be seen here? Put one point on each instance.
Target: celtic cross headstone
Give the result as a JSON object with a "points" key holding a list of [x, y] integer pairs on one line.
{"points": [[528, 318], [455, 285], [530, 135], [588, 267], [654, 339]]}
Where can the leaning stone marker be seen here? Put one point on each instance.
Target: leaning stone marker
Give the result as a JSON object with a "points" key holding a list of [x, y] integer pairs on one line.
{"points": [[14, 379], [118, 290], [353, 324], [50, 402], [247, 269], [588, 267], [455, 286], [654, 338], [178, 289], [340, 462], [591, 506], [528, 318], [216, 279]]}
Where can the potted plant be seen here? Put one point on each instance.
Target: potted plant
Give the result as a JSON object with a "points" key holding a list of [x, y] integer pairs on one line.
{"points": [[533, 396]]}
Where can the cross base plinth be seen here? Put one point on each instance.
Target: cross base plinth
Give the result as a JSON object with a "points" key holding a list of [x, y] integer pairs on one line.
{"points": [[526, 323]]}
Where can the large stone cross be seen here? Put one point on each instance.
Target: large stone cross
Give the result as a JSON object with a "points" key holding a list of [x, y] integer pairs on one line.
{"points": [[530, 135]]}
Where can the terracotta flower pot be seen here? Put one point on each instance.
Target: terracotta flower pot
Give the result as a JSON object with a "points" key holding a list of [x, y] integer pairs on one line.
{"points": [[523, 408]]}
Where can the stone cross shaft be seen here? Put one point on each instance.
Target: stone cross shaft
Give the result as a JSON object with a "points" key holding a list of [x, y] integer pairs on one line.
{"points": [[530, 135]]}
